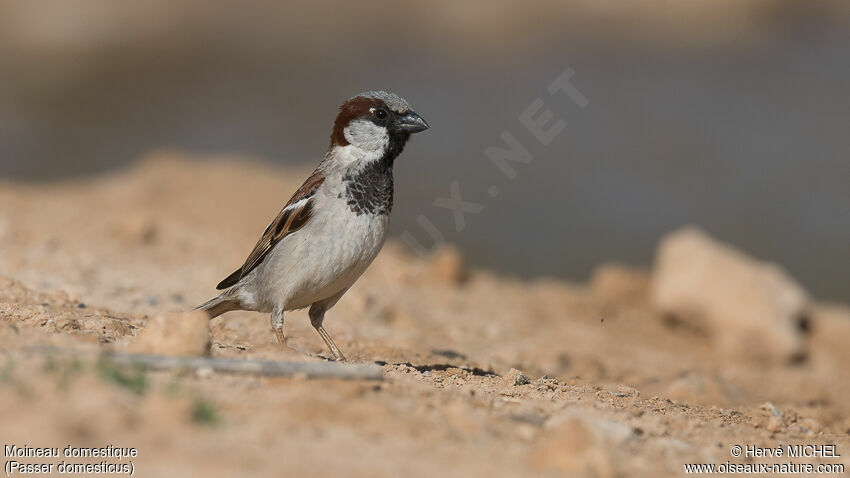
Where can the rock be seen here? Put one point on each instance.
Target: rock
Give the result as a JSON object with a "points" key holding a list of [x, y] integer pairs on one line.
{"points": [[577, 445], [775, 424], [752, 308], [616, 282], [174, 334], [770, 409], [624, 391], [137, 230], [447, 266], [516, 378], [809, 426]]}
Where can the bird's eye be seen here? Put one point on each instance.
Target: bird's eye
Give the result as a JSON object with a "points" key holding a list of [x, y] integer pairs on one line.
{"points": [[379, 113]]}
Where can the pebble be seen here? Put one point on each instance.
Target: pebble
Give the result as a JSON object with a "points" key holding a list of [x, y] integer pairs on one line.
{"points": [[516, 378], [775, 424], [174, 334]]}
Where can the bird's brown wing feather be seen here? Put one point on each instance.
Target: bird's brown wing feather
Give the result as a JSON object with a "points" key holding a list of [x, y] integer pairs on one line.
{"points": [[288, 220]]}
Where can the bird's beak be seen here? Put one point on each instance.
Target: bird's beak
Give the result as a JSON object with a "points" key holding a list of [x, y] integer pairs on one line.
{"points": [[412, 123]]}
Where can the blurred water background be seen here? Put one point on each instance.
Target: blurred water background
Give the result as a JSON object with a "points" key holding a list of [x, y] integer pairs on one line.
{"points": [[732, 115]]}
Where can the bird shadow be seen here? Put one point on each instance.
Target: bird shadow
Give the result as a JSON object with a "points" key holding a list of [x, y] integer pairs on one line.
{"points": [[435, 367], [438, 367]]}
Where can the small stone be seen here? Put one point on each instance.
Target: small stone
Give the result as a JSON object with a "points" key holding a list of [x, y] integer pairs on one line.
{"points": [[137, 230], [516, 378], [768, 407], [775, 424], [447, 266], [624, 391], [810, 425], [174, 334]]}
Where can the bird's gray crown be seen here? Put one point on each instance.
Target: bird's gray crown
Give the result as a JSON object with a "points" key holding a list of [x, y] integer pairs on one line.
{"points": [[392, 100]]}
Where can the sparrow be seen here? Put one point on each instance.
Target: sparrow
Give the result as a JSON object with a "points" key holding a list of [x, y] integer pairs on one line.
{"points": [[334, 225]]}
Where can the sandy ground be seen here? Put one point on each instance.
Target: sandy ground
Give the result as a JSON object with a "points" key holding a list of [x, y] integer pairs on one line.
{"points": [[605, 385]]}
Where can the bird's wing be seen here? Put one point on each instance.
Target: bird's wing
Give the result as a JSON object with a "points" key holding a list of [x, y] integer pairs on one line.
{"points": [[291, 218]]}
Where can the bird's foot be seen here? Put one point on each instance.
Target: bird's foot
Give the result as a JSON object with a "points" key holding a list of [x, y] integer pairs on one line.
{"points": [[281, 338]]}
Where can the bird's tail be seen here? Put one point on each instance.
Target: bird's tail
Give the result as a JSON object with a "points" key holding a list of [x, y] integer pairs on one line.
{"points": [[217, 306]]}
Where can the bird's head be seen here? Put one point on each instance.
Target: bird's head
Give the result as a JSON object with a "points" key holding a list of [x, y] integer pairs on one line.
{"points": [[376, 125]]}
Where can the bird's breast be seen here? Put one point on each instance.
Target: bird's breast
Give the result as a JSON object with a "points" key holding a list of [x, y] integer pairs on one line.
{"points": [[351, 236], [329, 253]]}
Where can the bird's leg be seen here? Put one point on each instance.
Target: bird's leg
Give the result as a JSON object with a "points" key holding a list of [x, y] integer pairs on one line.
{"points": [[277, 324], [317, 316]]}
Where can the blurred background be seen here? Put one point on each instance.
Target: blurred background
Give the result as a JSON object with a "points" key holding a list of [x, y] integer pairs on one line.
{"points": [[730, 114]]}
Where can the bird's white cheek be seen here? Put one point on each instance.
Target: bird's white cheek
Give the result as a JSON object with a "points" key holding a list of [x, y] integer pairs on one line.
{"points": [[367, 136]]}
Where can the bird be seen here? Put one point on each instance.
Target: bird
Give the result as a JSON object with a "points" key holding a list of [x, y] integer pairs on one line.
{"points": [[333, 226]]}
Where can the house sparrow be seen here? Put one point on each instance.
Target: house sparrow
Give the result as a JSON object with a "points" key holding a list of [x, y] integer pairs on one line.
{"points": [[333, 226]]}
